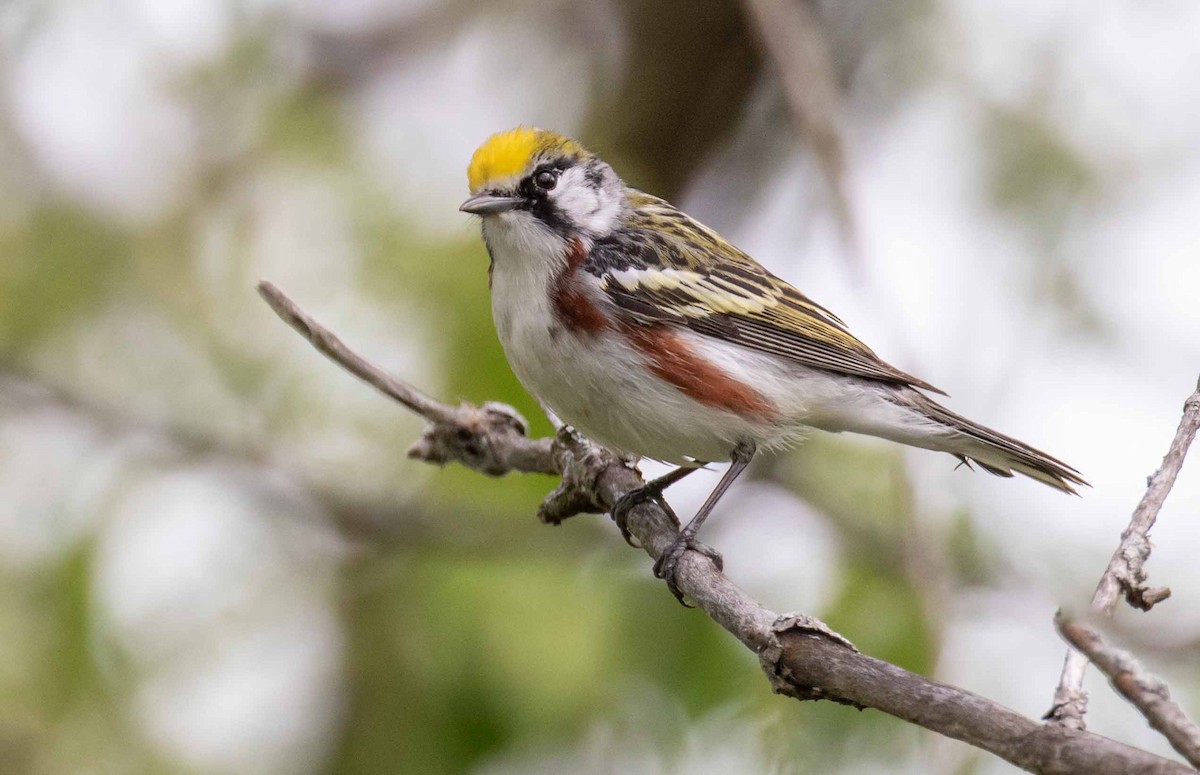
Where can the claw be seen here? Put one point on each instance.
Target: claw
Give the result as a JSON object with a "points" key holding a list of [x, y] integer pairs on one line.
{"points": [[666, 566], [650, 492], [630, 500]]}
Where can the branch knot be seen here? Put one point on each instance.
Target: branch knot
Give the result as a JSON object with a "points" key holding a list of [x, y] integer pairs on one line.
{"points": [[582, 463], [771, 657], [475, 436]]}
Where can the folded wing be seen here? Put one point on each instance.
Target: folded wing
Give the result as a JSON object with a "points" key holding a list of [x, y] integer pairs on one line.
{"points": [[668, 268]]}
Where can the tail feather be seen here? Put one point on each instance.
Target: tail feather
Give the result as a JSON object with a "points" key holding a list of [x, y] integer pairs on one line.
{"points": [[991, 450]]}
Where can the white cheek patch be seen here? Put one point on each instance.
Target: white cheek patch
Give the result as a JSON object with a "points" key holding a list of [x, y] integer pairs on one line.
{"points": [[588, 207]]}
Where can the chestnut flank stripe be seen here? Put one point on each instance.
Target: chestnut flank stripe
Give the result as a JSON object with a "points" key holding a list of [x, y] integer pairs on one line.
{"points": [[671, 359]]}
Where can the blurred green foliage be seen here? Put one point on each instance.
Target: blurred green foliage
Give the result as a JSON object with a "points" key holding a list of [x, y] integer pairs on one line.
{"points": [[59, 263]]}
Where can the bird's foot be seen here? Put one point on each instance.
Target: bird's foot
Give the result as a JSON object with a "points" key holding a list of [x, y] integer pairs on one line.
{"points": [[650, 491], [667, 565], [627, 502]]}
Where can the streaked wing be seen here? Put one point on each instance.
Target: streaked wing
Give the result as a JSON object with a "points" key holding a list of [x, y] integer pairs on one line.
{"points": [[666, 267]]}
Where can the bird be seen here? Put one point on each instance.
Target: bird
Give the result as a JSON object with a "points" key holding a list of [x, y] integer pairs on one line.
{"points": [[653, 336]]}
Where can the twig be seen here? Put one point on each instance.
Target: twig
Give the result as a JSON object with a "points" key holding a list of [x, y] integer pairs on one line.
{"points": [[490, 438], [800, 655], [1147, 692], [1126, 571], [336, 350]]}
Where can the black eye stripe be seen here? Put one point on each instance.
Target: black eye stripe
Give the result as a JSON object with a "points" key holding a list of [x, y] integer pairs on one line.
{"points": [[537, 198], [537, 183]]}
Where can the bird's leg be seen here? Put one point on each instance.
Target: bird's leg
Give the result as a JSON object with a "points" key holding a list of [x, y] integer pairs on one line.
{"points": [[667, 564], [650, 491]]}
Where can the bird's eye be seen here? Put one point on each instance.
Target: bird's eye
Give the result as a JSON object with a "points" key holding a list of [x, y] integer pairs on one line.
{"points": [[545, 180]]}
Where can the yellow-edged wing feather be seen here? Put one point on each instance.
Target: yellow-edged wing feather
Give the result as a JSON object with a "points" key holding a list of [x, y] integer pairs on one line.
{"points": [[664, 266]]}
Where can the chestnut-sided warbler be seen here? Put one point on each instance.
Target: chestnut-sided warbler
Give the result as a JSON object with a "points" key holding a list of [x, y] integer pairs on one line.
{"points": [[653, 336]]}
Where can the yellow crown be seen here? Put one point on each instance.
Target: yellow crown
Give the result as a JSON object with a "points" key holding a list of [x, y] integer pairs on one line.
{"points": [[505, 154]]}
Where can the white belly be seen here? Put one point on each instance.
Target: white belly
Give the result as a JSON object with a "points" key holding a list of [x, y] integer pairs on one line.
{"points": [[601, 386], [603, 389]]}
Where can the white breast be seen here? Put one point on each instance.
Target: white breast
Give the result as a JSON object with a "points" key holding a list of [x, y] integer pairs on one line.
{"points": [[596, 382]]}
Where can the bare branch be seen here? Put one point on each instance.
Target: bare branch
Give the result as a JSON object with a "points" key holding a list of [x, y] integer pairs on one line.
{"points": [[800, 655], [334, 349], [1147, 692], [490, 438], [1126, 571]]}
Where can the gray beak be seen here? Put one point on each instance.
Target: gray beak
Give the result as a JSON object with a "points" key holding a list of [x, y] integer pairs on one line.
{"points": [[490, 204]]}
